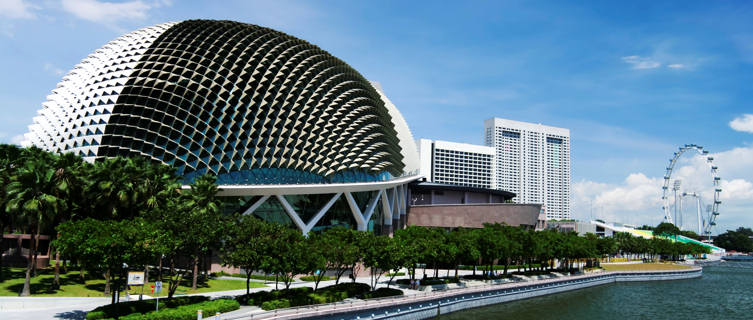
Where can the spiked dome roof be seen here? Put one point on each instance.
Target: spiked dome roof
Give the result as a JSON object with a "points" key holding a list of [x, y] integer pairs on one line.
{"points": [[250, 104]]}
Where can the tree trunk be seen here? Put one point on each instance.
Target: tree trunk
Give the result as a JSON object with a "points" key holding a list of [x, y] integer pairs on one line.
{"points": [[248, 282], [36, 245], [159, 273], [81, 274], [107, 282], [26, 291], [56, 280], [195, 271]]}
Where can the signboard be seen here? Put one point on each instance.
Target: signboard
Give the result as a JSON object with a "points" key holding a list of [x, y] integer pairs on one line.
{"points": [[136, 278]]}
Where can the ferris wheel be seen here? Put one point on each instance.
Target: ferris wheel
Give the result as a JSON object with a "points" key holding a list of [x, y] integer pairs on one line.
{"points": [[714, 212]]}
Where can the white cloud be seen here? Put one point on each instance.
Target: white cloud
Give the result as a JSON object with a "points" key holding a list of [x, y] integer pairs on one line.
{"points": [[639, 62], [109, 12], [677, 66], [17, 9], [17, 139], [53, 69], [742, 123], [637, 200]]}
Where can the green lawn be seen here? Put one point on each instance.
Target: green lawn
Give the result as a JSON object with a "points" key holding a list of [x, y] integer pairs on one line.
{"points": [[643, 267], [71, 287]]}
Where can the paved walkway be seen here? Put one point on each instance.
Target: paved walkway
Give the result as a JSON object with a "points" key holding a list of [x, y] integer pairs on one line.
{"points": [[39, 308]]}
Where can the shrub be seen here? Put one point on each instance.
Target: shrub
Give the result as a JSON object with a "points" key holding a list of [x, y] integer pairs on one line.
{"points": [[397, 274], [270, 300], [94, 315], [276, 304], [313, 278], [132, 316], [257, 298], [188, 312], [123, 309], [381, 292], [351, 289]]}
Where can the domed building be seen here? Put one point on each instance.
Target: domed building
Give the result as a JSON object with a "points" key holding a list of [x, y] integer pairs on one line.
{"points": [[293, 134]]}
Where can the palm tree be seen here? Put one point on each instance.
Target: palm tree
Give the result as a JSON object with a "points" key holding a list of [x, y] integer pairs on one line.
{"points": [[9, 157], [32, 193], [111, 182], [69, 188], [204, 209]]}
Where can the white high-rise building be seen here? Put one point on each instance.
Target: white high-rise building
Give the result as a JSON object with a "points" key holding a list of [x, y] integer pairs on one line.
{"points": [[459, 164], [533, 161]]}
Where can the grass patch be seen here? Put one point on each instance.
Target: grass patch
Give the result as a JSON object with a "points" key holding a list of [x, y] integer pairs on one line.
{"points": [[210, 285], [71, 286], [643, 267], [396, 274], [313, 278]]}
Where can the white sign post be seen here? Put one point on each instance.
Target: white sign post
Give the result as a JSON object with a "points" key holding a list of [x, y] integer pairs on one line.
{"points": [[157, 290]]}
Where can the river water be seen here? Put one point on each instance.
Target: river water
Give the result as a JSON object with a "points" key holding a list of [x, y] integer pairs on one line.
{"points": [[722, 293]]}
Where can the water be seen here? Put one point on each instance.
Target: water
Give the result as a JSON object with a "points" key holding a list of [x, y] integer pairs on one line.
{"points": [[722, 293]]}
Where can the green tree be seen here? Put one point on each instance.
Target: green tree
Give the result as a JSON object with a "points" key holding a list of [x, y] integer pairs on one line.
{"points": [[740, 240], [464, 241], [334, 250], [245, 245], [339, 246], [69, 187], [115, 246], [189, 226], [287, 255], [32, 193], [667, 229], [9, 161], [204, 214], [490, 242], [377, 256], [416, 244]]}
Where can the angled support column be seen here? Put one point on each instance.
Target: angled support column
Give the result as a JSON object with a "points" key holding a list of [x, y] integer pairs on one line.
{"points": [[319, 215], [291, 213], [386, 207], [362, 219], [355, 211], [256, 205]]}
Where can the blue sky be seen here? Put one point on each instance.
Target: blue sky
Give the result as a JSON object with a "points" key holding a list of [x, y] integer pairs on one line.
{"points": [[631, 80]]}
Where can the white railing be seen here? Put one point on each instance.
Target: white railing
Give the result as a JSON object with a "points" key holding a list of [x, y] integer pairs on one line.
{"points": [[474, 292]]}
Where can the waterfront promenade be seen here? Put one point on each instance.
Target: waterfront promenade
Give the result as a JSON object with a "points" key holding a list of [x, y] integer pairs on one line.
{"points": [[414, 304], [423, 305]]}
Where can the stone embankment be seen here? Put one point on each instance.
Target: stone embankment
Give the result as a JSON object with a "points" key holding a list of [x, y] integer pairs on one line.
{"points": [[426, 305]]}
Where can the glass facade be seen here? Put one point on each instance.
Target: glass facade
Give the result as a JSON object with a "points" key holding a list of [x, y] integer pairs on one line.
{"points": [[307, 206]]}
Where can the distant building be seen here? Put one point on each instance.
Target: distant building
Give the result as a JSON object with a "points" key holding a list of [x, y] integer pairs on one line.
{"points": [[581, 227], [458, 164], [532, 161], [450, 206]]}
